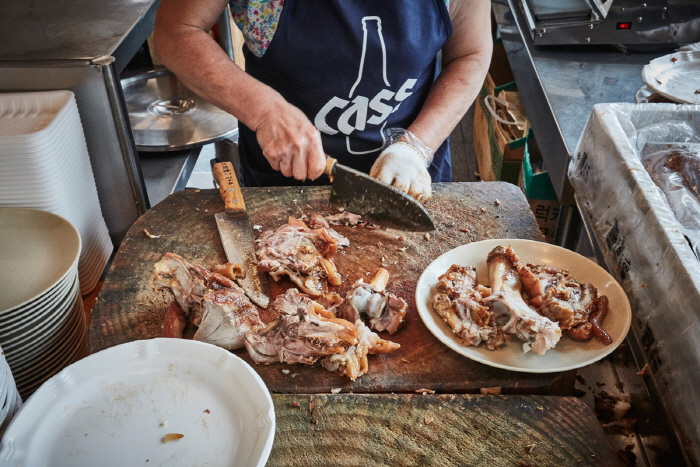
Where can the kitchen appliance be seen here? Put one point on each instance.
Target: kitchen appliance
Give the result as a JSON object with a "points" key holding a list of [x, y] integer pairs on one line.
{"points": [[627, 22]]}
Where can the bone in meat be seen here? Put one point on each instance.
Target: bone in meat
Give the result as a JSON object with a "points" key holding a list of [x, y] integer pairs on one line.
{"points": [[214, 303], [302, 253], [302, 333], [459, 301], [539, 333], [353, 362], [188, 283], [228, 315], [386, 311]]}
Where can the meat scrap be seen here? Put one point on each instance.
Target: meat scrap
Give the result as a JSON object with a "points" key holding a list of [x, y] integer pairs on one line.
{"points": [[305, 332], [213, 303], [302, 252], [385, 310]]}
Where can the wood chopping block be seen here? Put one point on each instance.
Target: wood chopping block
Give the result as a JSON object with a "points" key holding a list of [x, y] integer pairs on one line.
{"points": [[445, 430], [128, 307]]}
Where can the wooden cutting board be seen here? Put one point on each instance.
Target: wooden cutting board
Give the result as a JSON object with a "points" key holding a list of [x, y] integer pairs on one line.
{"points": [[128, 308], [436, 430]]}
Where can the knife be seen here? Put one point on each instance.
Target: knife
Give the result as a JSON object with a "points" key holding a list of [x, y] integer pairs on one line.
{"points": [[237, 235], [361, 194]]}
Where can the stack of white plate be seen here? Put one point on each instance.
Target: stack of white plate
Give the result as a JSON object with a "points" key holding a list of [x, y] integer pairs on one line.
{"points": [[675, 77], [10, 402], [42, 323], [45, 165]]}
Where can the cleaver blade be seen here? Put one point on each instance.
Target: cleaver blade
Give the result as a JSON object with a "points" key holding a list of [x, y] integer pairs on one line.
{"points": [[357, 192], [237, 236]]}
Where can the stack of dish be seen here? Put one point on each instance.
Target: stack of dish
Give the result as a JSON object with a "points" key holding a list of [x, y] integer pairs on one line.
{"points": [[45, 165], [42, 323], [10, 401], [147, 402], [672, 78]]}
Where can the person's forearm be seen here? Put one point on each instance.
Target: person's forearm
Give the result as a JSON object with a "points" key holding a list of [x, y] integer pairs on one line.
{"points": [[450, 97], [203, 66]]}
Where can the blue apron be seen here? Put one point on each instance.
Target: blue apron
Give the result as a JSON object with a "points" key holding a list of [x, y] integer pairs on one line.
{"points": [[354, 67]]}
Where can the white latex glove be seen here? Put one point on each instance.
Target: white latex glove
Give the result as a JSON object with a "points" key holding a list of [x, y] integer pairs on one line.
{"points": [[403, 166]]}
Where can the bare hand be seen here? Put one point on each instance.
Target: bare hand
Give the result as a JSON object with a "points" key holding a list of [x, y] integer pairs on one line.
{"points": [[290, 142]]}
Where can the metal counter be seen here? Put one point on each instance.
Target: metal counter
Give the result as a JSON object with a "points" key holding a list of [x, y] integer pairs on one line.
{"points": [[559, 85], [82, 46]]}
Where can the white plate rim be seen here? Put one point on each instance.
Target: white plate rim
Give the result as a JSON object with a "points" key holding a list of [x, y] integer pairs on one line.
{"points": [[443, 332], [652, 70]]}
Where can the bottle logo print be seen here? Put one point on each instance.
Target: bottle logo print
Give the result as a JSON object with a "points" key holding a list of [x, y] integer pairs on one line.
{"points": [[359, 112]]}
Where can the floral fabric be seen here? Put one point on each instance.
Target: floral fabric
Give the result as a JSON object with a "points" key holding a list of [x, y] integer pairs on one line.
{"points": [[257, 20]]}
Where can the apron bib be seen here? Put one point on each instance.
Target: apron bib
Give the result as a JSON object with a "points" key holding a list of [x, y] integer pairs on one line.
{"points": [[354, 67]]}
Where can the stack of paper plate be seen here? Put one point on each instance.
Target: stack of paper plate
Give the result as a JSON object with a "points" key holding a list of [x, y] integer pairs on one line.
{"points": [[45, 165], [10, 401], [675, 77], [42, 323], [148, 402]]}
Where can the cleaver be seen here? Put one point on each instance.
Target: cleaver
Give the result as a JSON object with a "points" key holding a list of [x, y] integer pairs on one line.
{"points": [[237, 235], [358, 193]]}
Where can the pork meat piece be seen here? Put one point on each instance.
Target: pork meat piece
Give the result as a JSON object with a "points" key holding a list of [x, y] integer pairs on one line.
{"points": [[174, 321], [385, 310], [353, 362], [539, 333], [459, 301], [559, 296], [228, 315], [215, 304], [188, 283], [303, 332], [303, 253]]}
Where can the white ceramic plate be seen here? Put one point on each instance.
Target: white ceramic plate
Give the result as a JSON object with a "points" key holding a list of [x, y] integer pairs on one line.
{"points": [[675, 76], [113, 408], [38, 250], [568, 353]]}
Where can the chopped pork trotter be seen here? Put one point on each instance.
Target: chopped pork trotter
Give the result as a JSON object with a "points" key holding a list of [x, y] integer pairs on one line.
{"points": [[174, 321], [214, 303], [386, 311], [188, 283], [353, 362], [302, 253], [560, 297], [302, 333], [228, 315], [539, 333], [459, 301]]}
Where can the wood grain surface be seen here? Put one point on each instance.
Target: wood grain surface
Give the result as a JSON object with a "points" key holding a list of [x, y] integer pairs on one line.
{"points": [[436, 430], [128, 307]]}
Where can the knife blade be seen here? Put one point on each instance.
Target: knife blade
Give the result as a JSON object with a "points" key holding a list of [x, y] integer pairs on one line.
{"points": [[361, 194], [237, 236]]}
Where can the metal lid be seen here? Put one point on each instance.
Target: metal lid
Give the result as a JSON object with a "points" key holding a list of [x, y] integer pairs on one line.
{"points": [[166, 116]]}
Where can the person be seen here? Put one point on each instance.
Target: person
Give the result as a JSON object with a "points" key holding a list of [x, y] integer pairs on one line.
{"points": [[379, 85]]}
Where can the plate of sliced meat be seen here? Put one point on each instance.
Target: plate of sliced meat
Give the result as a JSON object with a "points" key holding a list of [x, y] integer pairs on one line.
{"points": [[523, 305]]}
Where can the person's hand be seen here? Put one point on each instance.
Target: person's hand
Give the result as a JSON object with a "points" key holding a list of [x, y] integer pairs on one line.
{"points": [[290, 142], [404, 166]]}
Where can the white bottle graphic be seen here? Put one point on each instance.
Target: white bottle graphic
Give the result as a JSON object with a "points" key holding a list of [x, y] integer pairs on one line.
{"points": [[375, 25]]}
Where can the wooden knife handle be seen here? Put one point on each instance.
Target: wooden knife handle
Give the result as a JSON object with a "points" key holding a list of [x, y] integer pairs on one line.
{"points": [[229, 189], [330, 166]]}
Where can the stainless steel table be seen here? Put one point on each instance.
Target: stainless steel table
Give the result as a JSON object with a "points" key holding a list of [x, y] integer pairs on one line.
{"points": [[559, 85], [82, 46]]}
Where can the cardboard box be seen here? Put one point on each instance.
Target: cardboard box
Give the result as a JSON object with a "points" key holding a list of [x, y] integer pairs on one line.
{"points": [[541, 196], [499, 157]]}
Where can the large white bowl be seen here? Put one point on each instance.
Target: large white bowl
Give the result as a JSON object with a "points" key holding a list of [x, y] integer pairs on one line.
{"points": [[115, 407], [38, 250]]}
